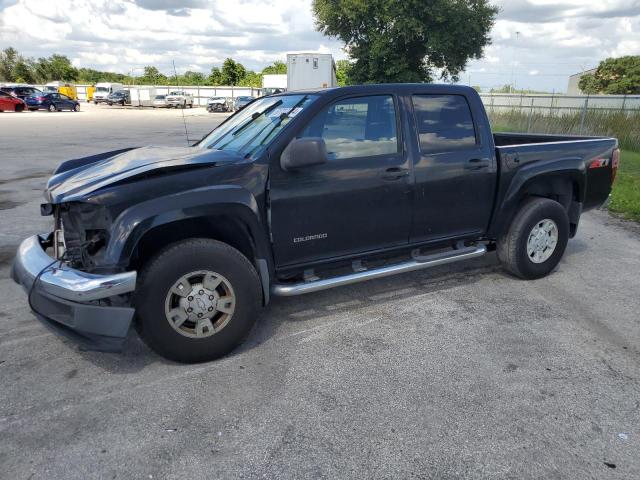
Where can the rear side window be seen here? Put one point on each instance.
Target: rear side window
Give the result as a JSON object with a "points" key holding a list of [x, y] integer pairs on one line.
{"points": [[357, 127], [444, 123]]}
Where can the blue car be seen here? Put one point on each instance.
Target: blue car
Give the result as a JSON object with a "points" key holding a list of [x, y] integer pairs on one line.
{"points": [[52, 102]]}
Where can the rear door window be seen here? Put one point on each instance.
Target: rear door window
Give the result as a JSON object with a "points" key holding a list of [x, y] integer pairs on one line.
{"points": [[444, 123], [357, 127]]}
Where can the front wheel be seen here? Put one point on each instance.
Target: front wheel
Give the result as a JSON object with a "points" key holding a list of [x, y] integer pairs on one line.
{"points": [[197, 300], [536, 239], [76, 107], [52, 108]]}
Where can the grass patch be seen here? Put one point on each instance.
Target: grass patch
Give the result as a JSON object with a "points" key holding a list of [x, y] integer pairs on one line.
{"points": [[625, 198]]}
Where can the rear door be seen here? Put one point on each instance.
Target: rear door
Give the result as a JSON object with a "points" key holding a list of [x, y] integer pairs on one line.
{"points": [[359, 200], [66, 102], [455, 172]]}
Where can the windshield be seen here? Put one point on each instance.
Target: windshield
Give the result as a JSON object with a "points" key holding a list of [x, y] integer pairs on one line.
{"points": [[176, 93], [159, 97], [102, 89], [252, 129]]}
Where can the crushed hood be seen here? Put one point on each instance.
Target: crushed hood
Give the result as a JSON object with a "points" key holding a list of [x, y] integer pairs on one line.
{"points": [[78, 178]]}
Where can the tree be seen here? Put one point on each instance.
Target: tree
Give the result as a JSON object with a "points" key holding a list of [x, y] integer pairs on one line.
{"points": [[232, 72], [614, 76], [251, 79], [56, 67], [215, 77], [24, 71], [8, 59], [409, 40], [343, 68], [277, 68], [152, 76]]}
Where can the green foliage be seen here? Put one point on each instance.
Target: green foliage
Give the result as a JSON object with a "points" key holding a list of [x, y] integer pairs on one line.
{"points": [[232, 72], [215, 77], [625, 126], [409, 40], [625, 197], [9, 57], [91, 76], [152, 76], [510, 89], [276, 68], [589, 84], [251, 79], [56, 67], [614, 76], [16, 68], [343, 69]]}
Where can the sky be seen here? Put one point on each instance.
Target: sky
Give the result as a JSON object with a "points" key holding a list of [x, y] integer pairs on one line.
{"points": [[536, 44]]}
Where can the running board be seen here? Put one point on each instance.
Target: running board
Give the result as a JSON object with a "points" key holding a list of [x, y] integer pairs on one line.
{"points": [[417, 263]]}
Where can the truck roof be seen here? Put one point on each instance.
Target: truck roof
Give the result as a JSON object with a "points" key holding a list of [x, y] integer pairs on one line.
{"points": [[375, 88]]}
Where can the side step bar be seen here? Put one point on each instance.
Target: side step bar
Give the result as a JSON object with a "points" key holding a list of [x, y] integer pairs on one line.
{"points": [[417, 263]]}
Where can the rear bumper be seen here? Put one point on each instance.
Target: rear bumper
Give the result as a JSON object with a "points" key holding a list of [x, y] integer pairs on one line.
{"points": [[73, 303]]}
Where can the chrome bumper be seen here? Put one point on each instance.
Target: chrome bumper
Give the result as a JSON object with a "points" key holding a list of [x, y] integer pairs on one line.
{"points": [[62, 281], [66, 300]]}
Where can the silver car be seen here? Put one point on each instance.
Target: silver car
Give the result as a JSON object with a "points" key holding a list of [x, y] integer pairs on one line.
{"points": [[160, 101]]}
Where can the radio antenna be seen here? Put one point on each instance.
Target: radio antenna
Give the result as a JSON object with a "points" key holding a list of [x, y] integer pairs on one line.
{"points": [[184, 122]]}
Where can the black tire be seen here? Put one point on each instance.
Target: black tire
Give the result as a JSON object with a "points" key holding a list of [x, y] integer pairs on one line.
{"points": [[52, 108], [76, 107], [512, 246], [164, 269], [19, 108]]}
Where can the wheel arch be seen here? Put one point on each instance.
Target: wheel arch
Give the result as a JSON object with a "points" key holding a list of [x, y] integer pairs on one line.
{"points": [[141, 231], [561, 180]]}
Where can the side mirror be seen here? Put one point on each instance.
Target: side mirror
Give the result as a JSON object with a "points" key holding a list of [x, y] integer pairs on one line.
{"points": [[303, 152]]}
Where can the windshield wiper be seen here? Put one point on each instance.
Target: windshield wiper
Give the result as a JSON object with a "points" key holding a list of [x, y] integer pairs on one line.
{"points": [[242, 127], [281, 118]]}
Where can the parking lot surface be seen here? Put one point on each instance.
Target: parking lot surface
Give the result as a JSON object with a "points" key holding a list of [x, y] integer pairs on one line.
{"points": [[456, 372]]}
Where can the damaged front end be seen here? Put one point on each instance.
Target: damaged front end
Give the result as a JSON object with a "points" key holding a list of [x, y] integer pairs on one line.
{"points": [[67, 290]]}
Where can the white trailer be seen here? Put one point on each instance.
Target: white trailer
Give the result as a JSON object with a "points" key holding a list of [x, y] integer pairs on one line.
{"points": [[306, 71], [273, 83], [142, 96]]}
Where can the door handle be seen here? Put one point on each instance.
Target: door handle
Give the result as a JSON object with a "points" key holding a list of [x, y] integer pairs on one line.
{"points": [[394, 173], [478, 163]]}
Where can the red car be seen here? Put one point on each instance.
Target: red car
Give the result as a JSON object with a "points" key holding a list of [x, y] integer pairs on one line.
{"points": [[10, 103]]}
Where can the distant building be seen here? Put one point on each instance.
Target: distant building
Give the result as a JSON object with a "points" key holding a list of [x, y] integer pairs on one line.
{"points": [[574, 80]]}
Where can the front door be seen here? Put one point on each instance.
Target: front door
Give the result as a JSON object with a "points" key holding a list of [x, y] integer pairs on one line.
{"points": [[359, 200]]}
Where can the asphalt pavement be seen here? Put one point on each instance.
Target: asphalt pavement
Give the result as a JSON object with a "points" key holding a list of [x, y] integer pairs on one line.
{"points": [[457, 372]]}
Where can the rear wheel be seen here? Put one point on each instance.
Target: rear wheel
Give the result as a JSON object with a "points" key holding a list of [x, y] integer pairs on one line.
{"points": [[76, 107], [196, 300], [52, 108], [19, 108], [536, 239]]}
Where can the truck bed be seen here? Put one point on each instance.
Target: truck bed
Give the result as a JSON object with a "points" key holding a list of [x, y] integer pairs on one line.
{"points": [[509, 139], [518, 153]]}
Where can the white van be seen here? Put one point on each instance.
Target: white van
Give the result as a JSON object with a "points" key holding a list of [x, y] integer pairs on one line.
{"points": [[103, 89]]}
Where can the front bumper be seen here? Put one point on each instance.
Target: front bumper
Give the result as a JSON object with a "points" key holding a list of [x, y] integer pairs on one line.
{"points": [[74, 303]]}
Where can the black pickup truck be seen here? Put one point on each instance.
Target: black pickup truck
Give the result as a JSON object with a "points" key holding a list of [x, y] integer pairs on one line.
{"points": [[298, 192]]}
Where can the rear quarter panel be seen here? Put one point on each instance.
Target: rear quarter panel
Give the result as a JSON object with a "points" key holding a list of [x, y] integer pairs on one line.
{"points": [[520, 165]]}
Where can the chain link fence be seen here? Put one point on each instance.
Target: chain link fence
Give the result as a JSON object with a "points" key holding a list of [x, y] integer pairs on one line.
{"points": [[609, 115]]}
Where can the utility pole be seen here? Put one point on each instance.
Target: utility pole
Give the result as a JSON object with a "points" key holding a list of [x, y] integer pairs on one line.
{"points": [[513, 64]]}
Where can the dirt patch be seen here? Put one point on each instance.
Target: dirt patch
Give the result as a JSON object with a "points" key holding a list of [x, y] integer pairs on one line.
{"points": [[31, 176], [9, 204], [7, 252]]}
